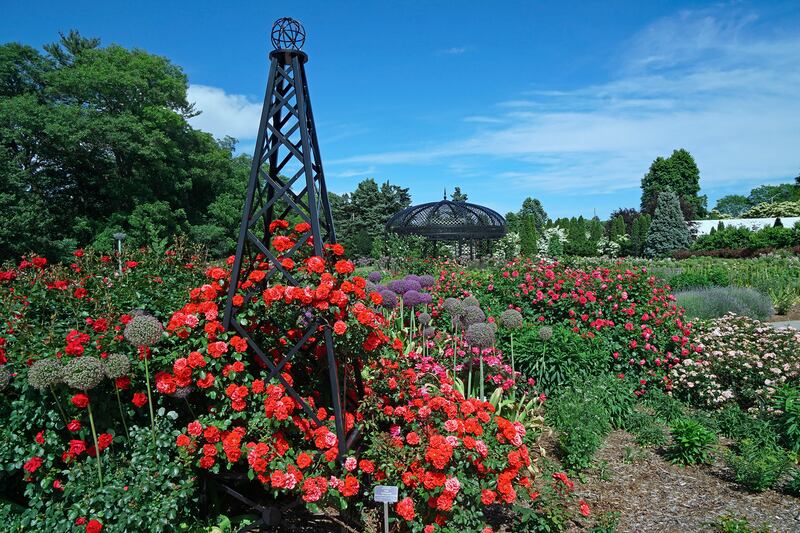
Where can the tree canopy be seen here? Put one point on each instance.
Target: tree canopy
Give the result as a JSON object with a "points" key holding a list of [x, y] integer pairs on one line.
{"points": [[679, 173], [95, 140]]}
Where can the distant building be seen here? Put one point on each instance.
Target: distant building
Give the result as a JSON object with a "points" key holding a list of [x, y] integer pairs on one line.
{"points": [[703, 227]]}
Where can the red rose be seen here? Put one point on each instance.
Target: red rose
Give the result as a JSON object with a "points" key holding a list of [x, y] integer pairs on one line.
{"points": [[94, 526], [40, 437], [139, 399], [315, 264], [80, 400], [74, 426], [195, 428], [182, 440], [32, 464], [339, 327], [303, 460], [405, 508], [104, 441]]}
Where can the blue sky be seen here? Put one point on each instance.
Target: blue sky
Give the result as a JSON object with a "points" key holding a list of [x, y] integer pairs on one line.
{"points": [[568, 102]]}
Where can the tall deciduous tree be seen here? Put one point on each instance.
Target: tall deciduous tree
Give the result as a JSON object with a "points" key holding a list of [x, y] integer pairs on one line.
{"points": [[679, 173], [733, 205], [668, 231], [95, 140]]}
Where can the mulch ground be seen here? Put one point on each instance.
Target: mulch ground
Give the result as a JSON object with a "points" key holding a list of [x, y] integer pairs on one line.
{"points": [[653, 495]]}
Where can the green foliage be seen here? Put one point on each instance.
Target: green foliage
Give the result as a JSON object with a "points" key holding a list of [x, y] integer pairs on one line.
{"points": [[668, 231], [93, 140], [732, 524], [716, 302], [582, 418], [756, 467], [738, 425], [777, 209], [680, 174], [786, 405], [692, 443], [458, 196], [793, 484], [555, 361], [664, 406], [360, 217], [641, 225], [693, 279], [733, 205]]}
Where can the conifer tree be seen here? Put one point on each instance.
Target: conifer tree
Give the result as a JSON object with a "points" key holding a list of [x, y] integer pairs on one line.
{"points": [[668, 231]]}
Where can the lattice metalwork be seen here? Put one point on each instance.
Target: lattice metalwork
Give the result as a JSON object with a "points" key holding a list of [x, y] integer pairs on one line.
{"points": [[286, 181], [448, 221]]}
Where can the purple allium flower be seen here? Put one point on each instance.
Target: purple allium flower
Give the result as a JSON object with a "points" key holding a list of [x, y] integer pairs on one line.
{"points": [[427, 281], [398, 286], [480, 335], [426, 298], [424, 318], [412, 277], [413, 285], [412, 298], [389, 299], [375, 277]]}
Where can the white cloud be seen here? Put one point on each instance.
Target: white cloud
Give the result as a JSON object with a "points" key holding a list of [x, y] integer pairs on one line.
{"points": [[224, 114], [699, 80], [455, 50]]}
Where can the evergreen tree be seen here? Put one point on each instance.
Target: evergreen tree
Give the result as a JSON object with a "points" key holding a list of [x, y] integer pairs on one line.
{"points": [[616, 228], [458, 196], [668, 231], [639, 234], [628, 215], [528, 237]]}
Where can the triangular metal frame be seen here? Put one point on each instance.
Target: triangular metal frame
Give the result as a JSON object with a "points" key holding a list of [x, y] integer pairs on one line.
{"points": [[286, 145]]}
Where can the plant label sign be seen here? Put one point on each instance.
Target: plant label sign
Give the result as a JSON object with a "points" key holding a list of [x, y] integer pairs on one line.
{"points": [[386, 493]]}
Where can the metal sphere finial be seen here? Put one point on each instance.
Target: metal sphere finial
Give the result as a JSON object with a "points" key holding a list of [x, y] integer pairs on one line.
{"points": [[288, 34]]}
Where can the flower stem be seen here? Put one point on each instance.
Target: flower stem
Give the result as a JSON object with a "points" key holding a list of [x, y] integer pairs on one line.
{"points": [[513, 368], [122, 414], [58, 404], [150, 400], [96, 446]]}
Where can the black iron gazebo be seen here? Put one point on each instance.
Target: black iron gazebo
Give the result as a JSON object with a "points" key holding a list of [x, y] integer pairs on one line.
{"points": [[449, 220]]}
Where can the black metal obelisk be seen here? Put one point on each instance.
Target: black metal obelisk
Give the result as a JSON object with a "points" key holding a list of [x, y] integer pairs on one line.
{"points": [[286, 178]]}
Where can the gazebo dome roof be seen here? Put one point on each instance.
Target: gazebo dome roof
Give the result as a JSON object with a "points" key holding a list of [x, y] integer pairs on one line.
{"points": [[448, 220]]}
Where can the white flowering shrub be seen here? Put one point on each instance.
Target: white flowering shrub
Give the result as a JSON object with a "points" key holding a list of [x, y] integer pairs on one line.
{"points": [[508, 247], [742, 360], [551, 243]]}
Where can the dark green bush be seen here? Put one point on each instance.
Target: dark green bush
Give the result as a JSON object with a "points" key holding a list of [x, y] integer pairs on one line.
{"points": [[555, 356], [582, 421], [692, 442], [793, 484], [755, 466], [665, 407], [787, 402], [693, 279], [738, 425]]}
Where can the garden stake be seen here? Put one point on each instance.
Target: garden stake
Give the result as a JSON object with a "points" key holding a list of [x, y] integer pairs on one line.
{"points": [[96, 447]]}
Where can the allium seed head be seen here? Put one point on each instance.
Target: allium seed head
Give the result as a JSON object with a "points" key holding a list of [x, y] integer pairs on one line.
{"points": [[144, 330], [453, 306], [84, 373], [511, 319], [45, 373], [429, 332], [472, 315], [480, 335], [424, 318], [5, 377], [545, 333], [117, 365], [471, 301]]}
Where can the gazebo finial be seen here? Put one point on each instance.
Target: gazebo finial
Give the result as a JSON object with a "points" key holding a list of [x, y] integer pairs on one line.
{"points": [[445, 194]]}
